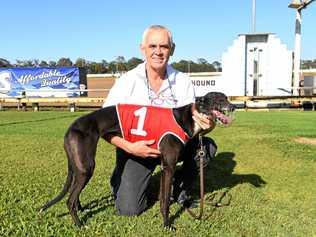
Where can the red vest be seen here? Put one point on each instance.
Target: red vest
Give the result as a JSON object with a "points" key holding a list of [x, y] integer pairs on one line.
{"points": [[142, 122]]}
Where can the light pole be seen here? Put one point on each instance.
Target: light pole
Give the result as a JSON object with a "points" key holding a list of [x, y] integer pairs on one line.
{"points": [[299, 5], [253, 16]]}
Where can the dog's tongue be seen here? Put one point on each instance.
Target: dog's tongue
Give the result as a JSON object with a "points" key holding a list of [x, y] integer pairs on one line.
{"points": [[222, 117]]}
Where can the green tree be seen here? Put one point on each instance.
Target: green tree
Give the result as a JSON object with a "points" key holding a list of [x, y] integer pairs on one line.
{"points": [[104, 66], [64, 62], [4, 63], [80, 62], [217, 66], [120, 64], [43, 64], [133, 62], [182, 65], [52, 63]]}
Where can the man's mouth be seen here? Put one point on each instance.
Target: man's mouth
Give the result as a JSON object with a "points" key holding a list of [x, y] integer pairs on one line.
{"points": [[158, 60]]}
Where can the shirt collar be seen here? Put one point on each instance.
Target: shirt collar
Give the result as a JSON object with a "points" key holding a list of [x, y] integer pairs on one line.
{"points": [[141, 71]]}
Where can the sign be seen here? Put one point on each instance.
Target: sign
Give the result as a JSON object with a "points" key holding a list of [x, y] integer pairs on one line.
{"points": [[205, 83], [40, 82]]}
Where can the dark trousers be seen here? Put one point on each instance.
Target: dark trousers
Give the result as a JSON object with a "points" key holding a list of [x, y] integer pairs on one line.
{"points": [[131, 176]]}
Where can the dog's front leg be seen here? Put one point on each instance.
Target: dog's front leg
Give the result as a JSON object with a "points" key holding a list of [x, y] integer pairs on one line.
{"points": [[165, 190], [170, 149]]}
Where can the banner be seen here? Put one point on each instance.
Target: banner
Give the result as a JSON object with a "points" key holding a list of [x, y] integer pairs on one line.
{"points": [[40, 82]]}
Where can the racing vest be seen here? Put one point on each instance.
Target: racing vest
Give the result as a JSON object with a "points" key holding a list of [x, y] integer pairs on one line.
{"points": [[143, 122]]}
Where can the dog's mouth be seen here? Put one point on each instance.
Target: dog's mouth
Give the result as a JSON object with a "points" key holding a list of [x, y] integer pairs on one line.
{"points": [[223, 117], [217, 105]]}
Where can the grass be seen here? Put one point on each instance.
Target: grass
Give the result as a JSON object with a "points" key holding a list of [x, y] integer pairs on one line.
{"points": [[270, 179]]}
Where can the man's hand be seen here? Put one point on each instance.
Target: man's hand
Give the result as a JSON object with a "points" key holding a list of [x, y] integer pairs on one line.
{"points": [[142, 149], [205, 122]]}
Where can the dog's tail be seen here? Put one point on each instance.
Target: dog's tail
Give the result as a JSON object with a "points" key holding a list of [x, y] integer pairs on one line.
{"points": [[62, 194]]}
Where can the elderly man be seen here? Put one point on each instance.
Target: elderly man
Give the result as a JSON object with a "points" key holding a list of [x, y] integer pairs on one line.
{"points": [[156, 83]]}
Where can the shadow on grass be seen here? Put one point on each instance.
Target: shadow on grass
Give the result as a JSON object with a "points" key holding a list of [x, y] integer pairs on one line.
{"points": [[218, 176], [93, 207], [97, 206]]}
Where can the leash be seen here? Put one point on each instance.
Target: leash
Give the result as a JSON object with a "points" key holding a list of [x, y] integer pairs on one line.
{"points": [[212, 199]]}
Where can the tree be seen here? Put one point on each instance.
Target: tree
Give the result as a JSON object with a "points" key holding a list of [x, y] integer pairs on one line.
{"points": [[202, 61], [80, 62], [182, 65], [217, 65], [308, 64], [120, 64], [64, 62], [4, 63], [204, 66], [43, 64], [52, 64], [27, 63], [112, 67], [104, 66], [94, 67], [133, 62]]}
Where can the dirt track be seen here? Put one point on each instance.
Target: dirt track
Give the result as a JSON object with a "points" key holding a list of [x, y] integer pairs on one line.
{"points": [[306, 140]]}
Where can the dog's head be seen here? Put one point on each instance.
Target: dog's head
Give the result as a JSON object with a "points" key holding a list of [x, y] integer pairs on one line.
{"points": [[217, 105]]}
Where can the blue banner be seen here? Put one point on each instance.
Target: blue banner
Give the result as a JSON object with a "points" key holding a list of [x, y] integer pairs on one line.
{"points": [[40, 82]]}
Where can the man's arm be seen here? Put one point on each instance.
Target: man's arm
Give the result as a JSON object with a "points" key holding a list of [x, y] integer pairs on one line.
{"points": [[140, 148]]}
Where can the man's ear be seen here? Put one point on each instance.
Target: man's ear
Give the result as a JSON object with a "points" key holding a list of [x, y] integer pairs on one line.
{"points": [[173, 46], [142, 49]]}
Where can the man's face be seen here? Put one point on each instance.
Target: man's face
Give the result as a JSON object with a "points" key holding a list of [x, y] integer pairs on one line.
{"points": [[156, 49]]}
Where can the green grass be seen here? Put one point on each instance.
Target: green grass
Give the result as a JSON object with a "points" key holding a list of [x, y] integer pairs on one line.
{"points": [[271, 180]]}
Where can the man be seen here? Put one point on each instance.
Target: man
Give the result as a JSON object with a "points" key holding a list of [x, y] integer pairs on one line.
{"points": [[153, 82]]}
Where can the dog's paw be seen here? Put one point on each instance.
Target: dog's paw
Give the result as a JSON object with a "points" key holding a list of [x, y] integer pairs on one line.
{"points": [[170, 228]]}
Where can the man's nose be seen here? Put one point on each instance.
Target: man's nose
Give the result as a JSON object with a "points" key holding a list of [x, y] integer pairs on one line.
{"points": [[158, 50]]}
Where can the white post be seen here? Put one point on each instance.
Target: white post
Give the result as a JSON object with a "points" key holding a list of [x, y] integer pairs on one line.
{"points": [[253, 16], [297, 53]]}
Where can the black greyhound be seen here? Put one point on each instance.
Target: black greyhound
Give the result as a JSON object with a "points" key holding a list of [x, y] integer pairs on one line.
{"points": [[81, 140]]}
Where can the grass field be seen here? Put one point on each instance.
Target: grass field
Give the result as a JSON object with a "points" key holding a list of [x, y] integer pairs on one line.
{"points": [[271, 180]]}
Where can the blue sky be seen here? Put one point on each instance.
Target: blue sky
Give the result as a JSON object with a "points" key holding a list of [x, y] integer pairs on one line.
{"points": [[96, 29]]}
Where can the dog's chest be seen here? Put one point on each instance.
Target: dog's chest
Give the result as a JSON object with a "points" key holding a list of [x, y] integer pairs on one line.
{"points": [[138, 122]]}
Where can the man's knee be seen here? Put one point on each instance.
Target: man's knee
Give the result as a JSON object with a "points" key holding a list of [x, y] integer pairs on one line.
{"points": [[131, 208]]}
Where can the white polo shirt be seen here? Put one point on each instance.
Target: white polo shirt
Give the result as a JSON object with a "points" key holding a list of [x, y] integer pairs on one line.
{"points": [[132, 88]]}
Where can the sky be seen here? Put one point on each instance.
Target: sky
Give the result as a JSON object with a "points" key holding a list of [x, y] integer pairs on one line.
{"points": [[103, 30]]}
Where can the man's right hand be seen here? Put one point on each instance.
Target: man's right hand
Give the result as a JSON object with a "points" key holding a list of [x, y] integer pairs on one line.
{"points": [[143, 149]]}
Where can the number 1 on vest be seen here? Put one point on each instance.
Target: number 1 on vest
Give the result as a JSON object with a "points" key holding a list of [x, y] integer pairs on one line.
{"points": [[141, 113]]}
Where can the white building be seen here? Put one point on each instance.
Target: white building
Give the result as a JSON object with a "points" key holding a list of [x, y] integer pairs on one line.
{"points": [[257, 65]]}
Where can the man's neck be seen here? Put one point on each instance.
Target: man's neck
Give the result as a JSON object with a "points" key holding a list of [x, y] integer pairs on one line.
{"points": [[155, 77]]}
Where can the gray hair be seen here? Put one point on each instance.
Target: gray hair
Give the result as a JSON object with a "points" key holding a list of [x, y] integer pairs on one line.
{"points": [[157, 27]]}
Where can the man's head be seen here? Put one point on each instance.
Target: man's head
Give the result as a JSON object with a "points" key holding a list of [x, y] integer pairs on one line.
{"points": [[157, 46]]}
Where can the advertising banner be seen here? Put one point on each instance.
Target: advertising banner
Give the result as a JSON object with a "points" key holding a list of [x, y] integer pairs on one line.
{"points": [[40, 82]]}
